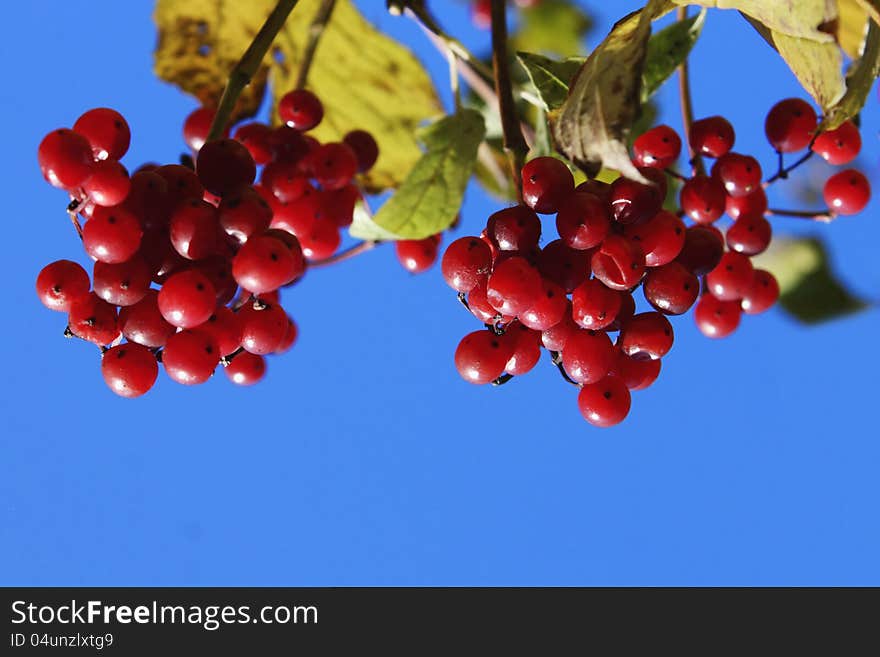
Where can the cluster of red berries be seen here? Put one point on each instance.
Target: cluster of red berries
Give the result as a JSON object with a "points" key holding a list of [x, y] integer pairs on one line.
{"points": [[218, 245], [569, 294]]}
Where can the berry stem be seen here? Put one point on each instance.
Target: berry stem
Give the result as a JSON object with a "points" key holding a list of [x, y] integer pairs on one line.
{"points": [[784, 171], [316, 29], [462, 299], [514, 143], [345, 254], [687, 105], [556, 359], [72, 209], [501, 380], [229, 357], [248, 66], [822, 215]]}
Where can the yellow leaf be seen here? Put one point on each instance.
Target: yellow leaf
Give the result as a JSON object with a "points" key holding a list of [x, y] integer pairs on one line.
{"points": [[806, 19], [365, 79], [851, 28]]}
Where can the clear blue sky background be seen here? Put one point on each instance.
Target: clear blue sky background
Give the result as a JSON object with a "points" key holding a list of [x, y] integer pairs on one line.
{"points": [[363, 458]]}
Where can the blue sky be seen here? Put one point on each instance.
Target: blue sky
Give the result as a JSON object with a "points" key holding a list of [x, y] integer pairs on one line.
{"points": [[363, 459]]}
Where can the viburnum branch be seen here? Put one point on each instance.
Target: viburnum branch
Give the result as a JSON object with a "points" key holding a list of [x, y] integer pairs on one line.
{"points": [[824, 216], [687, 105], [248, 66], [72, 209], [316, 29], [782, 172], [345, 254], [514, 143]]}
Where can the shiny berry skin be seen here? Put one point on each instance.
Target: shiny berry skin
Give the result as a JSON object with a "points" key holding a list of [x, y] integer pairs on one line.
{"points": [[262, 330], [225, 327], [516, 228], [333, 165], [702, 250], [619, 262], [716, 318], [182, 182], [62, 283], [300, 109], [703, 199], [264, 264], [548, 310], [417, 256], [633, 202], [144, 324], [246, 369], [514, 286], [556, 337], [320, 240], [847, 192], [109, 183], [289, 338], [481, 356], [337, 205], [526, 349], [194, 230], [479, 304], [223, 165], [749, 205], [596, 188], [218, 270], [750, 235], [732, 278], [129, 370], [563, 265], [257, 138], [583, 221], [627, 310], [636, 373], [148, 198], [244, 213], [365, 148], [605, 403], [587, 356], [465, 261], [196, 127], [187, 299], [93, 319], [65, 158], [107, 132], [646, 335], [671, 289], [190, 357], [124, 283], [593, 305], [285, 180], [712, 136], [790, 124], [740, 174], [839, 146], [112, 235], [762, 295], [661, 238], [546, 183], [659, 147]]}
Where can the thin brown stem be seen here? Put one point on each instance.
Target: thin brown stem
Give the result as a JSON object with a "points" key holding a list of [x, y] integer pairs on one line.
{"points": [[822, 215], [783, 171], [248, 66], [514, 143], [316, 29], [346, 254], [687, 105]]}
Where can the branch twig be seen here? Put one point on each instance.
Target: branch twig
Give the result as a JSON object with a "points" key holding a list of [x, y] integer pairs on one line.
{"points": [[687, 106], [351, 252], [316, 29], [822, 215]]}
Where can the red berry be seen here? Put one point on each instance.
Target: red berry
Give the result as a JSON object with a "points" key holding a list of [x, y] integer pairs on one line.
{"points": [[112, 235], [703, 199], [246, 369], [596, 188], [62, 283], [225, 327], [754, 204], [479, 304], [716, 318], [587, 356], [548, 310], [633, 202], [301, 110], [514, 229], [365, 148], [712, 136], [636, 373], [526, 349], [262, 330], [661, 238], [583, 221], [839, 146], [244, 213], [790, 125], [732, 278], [187, 299], [556, 337], [563, 265], [289, 338], [333, 165], [702, 250], [672, 289], [183, 183], [109, 183], [763, 293], [605, 403], [594, 306], [465, 261], [659, 147], [627, 310], [93, 319], [107, 132], [646, 335], [285, 180], [129, 370], [144, 324], [148, 198], [619, 263], [481, 14], [847, 192], [481, 356], [740, 174], [749, 235], [65, 158], [546, 182], [218, 270], [190, 357], [124, 283], [194, 230], [196, 127], [257, 138], [514, 286], [320, 240], [223, 165], [264, 264], [417, 256]]}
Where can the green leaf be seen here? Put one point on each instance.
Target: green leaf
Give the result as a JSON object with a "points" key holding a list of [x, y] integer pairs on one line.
{"points": [[363, 227], [809, 290], [858, 83], [552, 26], [430, 197], [550, 78], [667, 49], [365, 80], [806, 19]]}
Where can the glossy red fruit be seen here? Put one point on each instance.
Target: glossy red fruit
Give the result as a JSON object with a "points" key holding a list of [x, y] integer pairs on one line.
{"points": [[712, 136], [187, 299], [107, 132], [546, 183], [183, 183], [762, 295], [672, 289], [548, 310], [716, 318], [750, 205], [633, 202], [563, 265], [481, 356], [659, 147], [732, 278], [264, 264], [479, 304], [65, 158], [596, 188], [223, 165], [481, 14], [661, 238], [122, 284], [225, 327], [417, 256], [301, 110], [365, 148], [320, 240], [285, 180], [62, 283], [750, 235], [108, 184], [594, 306], [526, 349], [144, 324], [337, 205], [93, 319], [583, 221], [190, 357], [847, 192], [703, 199], [516, 228], [702, 250], [627, 310], [604, 403], [129, 370], [556, 337], [257, 138], [333, 165], [514, 286], [112, 235], [289, 338], [790, 124], [244, 213], [839, 146], [587, 356], [196, 127], [148, 198], [646, 335], [195, 230], [465, 261], [636, 374], [740, 174], [619, 262], [262, 330], [218, 270], [246, 369]]}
